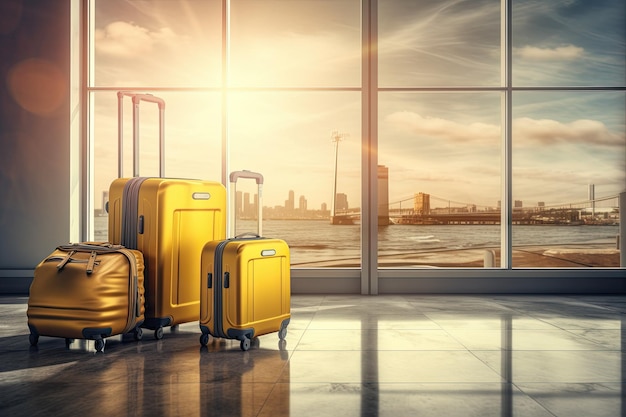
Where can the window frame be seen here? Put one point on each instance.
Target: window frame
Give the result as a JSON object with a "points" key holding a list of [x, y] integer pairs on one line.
{"points": [[369, 279]]}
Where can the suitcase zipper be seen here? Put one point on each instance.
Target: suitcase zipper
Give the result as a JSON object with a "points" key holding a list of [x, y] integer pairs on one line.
{"points": [[130, 212], [134, 307], [218, 298]]}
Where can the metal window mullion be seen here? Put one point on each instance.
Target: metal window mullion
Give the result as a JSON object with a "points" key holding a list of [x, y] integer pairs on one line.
{"points": [[225, 105], [369, 148], [87, 79], [506, 207]]}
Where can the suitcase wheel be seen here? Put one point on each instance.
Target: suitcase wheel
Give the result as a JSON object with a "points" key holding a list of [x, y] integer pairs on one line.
{"points": [[33, 339], [204, 339], [282, 333], [158, 333], [100, 345], [245, 344], [138, 333]]}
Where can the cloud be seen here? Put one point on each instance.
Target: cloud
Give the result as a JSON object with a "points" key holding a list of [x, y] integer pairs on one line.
{"points": [[126, 39], [561, 53], [552, 132], [442, 128], [525, 130]]}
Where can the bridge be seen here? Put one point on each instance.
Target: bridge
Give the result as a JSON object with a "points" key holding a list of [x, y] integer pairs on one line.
{"points": [[570, 217], [600, 211]]}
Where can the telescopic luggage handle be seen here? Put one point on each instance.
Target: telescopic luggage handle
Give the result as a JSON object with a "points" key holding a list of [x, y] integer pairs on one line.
{"points": [[136, 99], [234, 176]]}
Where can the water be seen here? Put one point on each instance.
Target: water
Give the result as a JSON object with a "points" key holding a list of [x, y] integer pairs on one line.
{"points": [[318, 241]]}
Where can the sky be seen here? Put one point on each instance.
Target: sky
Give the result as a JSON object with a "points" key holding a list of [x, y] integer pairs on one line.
{"points": [[447, 144]]}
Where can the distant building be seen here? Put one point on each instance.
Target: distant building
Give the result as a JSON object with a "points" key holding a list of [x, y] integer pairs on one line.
{"points": [[421, 203], [246, 210], [302, 205], [341, 202], [324, 207], [290, 203]]}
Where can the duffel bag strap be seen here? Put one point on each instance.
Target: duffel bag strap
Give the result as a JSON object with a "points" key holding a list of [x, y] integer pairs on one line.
{"points": [[65, 260], [91, 262], [91, 246]]}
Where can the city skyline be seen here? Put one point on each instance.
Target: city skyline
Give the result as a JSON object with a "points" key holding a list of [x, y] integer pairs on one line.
{"points": [[248, 208]]}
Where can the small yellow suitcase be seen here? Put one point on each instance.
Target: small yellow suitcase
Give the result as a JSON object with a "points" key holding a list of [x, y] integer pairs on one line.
{"points": [[245, 283], [87, 291], [169, 220]]}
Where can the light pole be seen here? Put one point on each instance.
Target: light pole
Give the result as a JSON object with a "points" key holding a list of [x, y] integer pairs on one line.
{"points": [[335, 137]]}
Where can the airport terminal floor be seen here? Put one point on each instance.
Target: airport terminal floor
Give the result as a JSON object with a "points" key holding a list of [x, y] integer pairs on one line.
{"points": [[344, 355]]}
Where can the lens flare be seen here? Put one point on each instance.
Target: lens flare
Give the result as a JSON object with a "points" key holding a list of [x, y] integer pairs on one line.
{"points": [[37, 85]]}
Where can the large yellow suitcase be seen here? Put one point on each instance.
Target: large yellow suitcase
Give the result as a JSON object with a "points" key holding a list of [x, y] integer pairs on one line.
{"points": [[87, 291], [169, 220], [245, 283]]}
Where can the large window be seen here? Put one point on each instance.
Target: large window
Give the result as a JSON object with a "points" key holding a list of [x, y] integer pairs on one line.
{"points": [[568, 132], [568, 169], [568, 43], [477, 135], [442, 152], [432, 43]]}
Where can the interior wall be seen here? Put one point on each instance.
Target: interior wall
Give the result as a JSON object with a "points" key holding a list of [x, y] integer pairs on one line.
{"points": [[34, 135]]}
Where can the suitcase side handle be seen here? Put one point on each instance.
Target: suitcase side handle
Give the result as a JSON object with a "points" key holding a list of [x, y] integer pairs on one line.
{"points": [[137, 98]]}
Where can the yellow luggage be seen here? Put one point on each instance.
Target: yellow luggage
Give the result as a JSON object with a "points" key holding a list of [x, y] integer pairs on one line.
{"points": [[173, 219], [169, 220], [245, 283], [87, 291]]}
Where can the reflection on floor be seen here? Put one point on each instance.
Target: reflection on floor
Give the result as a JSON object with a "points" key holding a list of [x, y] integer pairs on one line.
{"points": [[344, 356]]}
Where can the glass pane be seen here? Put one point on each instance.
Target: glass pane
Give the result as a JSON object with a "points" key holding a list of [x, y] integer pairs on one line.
{"points": [[568, 168], [308, 43], [442, 153], [434, 43], [569, 43], [157, 43], [287, 138], [192, 142]]}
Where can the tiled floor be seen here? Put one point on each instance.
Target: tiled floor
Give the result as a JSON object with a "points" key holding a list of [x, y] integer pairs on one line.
{"points": [[344, 356]]}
